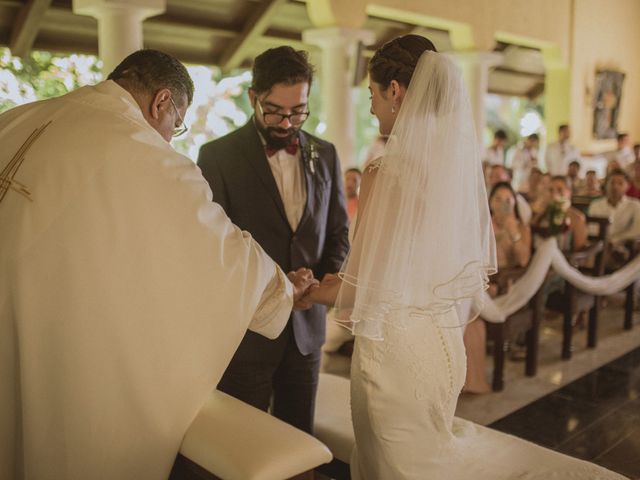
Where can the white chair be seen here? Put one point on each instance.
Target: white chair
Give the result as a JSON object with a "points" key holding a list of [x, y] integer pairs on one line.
{"points": [[232, 440]]}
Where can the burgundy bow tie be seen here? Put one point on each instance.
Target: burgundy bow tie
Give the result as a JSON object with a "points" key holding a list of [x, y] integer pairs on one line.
{"points": [[291, 149]]}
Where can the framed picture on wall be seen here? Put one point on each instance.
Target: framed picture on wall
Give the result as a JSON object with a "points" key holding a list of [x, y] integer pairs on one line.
{"points": [[606, 103]]}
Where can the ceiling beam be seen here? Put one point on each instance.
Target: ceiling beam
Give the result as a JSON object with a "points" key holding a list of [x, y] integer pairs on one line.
{"points": [[26, 26], [255, 26]]}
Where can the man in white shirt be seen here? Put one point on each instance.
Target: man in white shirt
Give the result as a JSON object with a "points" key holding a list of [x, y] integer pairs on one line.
{"points": [[284, 186], [524, 159], [623, 211], [623, 154], [494, 154], [561, 153], [125, 290]]}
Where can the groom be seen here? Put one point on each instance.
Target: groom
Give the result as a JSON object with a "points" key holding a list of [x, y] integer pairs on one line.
{"points": [[283, 186]]}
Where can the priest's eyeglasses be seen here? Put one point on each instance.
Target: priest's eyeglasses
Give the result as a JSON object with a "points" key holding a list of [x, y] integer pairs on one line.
{"points": [[177, 131], [273, 118]]}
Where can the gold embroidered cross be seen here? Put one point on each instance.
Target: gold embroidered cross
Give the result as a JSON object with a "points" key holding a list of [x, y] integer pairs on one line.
{"points": [[7, 180]]}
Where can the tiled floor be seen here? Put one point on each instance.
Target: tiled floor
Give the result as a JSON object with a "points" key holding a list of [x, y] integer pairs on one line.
{"points": [[553, 372], [596, 417]]}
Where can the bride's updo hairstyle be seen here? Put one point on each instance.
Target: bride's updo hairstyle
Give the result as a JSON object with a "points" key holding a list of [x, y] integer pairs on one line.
{"points": [[397, 59]]}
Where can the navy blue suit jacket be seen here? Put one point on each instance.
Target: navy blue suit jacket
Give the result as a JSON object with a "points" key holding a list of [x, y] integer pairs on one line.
{"points": [[240, 177]]}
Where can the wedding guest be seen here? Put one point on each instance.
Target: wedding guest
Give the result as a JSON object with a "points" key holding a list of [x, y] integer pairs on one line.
{"points": [[352, 179], [574, 238], [634, 181], [529, 189], [573, 177], [494, 154], [559, 154], [612, 165], [499, 174], [623, 154], [622, 210], [513, 249], [513, 236], [524, 159], [636, 152], [284, 186], [592, 187]]}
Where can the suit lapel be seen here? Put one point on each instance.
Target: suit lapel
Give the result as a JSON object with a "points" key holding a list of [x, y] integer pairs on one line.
{"points": [[308, 177], [254, 152]]}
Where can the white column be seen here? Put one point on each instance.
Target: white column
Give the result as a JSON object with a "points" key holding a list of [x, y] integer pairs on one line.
{"points": [[119, 25], [475, 68], [339, 48]]}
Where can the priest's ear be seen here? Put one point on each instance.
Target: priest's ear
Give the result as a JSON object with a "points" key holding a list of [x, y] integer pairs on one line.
{"points": [[161, 101]]}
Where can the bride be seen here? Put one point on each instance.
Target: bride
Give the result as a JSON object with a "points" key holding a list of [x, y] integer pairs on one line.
{"points": [[422, 250]]}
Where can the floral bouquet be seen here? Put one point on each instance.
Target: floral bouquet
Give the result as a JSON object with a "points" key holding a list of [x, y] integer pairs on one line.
{"points": [[554, 220]]}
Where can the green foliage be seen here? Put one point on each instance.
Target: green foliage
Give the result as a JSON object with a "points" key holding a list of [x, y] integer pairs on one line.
{"points": [[220, 104], [43, 75]]}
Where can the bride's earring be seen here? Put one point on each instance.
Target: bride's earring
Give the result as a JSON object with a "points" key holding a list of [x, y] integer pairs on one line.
{"points": [[393, 109]]}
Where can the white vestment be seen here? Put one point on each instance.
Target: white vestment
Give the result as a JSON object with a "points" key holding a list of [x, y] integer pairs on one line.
{"points": [[124, 291]]}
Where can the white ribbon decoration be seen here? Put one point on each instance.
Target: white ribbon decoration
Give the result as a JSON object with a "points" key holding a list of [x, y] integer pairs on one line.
{"points": [[497, 310]]}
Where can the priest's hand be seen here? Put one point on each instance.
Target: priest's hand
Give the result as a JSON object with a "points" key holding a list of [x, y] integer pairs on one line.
{"points": [[302, 280]]}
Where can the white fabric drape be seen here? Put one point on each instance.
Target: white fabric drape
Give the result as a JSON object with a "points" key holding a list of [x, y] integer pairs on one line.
{"points": [[548, 255]]}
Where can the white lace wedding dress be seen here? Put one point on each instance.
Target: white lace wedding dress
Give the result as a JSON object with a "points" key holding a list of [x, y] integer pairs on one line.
{"points": [[404, 391]]}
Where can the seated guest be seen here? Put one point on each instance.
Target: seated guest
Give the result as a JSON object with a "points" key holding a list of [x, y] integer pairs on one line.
{"points": [[573, 177], [622, 210], [575, 236], [499, 174], [591, 186], [613, 165], [513, 236], [634, 187], [352, 178], [513, 249]]}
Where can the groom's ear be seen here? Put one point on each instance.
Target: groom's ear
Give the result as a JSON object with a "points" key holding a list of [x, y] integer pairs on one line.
{"points": [[252, 96]]}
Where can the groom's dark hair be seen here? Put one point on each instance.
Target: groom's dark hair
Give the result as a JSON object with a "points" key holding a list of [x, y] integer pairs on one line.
{"points": [[397, 59], [280, 65]]}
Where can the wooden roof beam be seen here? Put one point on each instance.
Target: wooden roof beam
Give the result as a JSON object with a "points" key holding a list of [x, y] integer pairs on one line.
{"points": [[26, 26], [257, 24]]}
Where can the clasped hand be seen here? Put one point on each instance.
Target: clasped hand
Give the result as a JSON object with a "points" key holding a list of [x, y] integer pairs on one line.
{"points": [[307, 290]]}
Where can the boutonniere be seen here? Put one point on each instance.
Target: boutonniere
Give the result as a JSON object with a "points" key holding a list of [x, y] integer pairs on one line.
{"points": [[312, 154]]}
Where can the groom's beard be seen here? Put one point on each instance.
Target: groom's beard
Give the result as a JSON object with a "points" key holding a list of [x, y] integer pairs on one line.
{"points": [[274, 141]]}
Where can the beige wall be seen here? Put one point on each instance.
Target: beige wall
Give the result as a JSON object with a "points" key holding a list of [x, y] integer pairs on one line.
{"points": [[606, 35], [587, 34], [541, 20]]}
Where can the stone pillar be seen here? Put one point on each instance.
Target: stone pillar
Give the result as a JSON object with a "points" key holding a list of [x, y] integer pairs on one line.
{"points": [[475, 68], [119, 25], [339, 47]]}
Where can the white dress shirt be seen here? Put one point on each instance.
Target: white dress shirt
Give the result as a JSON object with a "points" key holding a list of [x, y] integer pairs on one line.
{"points": [[625, 217], [625, 157], [559, 156], [289, 176], [495, 156]]}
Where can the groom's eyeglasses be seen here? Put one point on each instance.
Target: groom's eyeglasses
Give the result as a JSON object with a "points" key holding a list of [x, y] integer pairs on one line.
{"points": [[272, 118]]}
